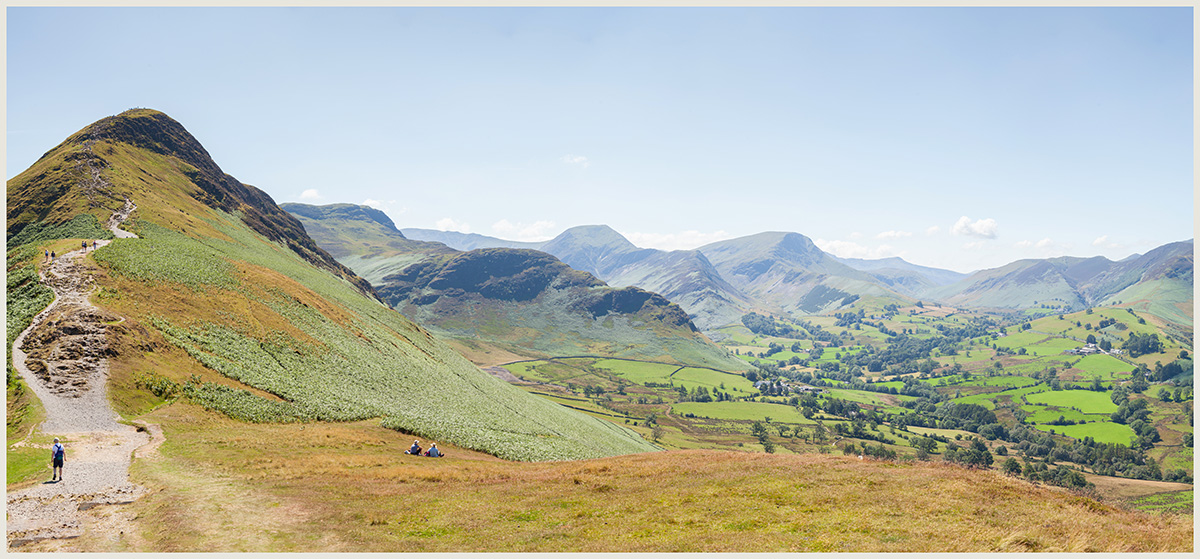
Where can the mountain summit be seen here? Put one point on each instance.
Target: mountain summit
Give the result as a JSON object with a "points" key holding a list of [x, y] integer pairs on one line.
{"points": [[224, 301], [119, 144]]}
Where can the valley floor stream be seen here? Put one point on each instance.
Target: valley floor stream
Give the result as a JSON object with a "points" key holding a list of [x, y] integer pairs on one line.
{"points": [[61, 357]]}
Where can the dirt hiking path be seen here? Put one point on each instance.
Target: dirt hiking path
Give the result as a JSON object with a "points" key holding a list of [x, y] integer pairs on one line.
{"points": [[62, 357]]}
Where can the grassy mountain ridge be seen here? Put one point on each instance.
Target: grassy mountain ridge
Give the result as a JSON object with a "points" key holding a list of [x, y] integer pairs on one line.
{"points": [[524, 300], [78, 176], [265, 328], [788, 271], [465, 241], [1074, 283]]}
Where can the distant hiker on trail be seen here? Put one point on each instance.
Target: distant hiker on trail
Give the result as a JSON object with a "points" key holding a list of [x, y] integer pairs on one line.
{"points": [[84, 246], [52, 255], [57, 455], [93, 245], [47, 255], [415, 449], [433, 451]]}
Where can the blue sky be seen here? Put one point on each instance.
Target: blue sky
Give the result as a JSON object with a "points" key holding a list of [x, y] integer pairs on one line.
{"points": [[960, 138]]}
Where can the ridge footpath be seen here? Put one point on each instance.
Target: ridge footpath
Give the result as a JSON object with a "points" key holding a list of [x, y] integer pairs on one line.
{"points": [[60, 356]]}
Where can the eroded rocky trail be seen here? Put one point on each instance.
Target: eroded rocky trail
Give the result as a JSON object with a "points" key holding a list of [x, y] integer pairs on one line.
{"points": [[62, 356]]}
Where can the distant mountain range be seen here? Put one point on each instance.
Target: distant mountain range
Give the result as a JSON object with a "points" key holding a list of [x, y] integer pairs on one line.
{"points": [[524, 300], [786, 272]]}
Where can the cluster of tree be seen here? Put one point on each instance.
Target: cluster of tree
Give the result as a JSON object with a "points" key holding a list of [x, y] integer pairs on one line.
{"points": [[1129, 410], [846, 320], [1138, 345], [760, 432], [772, 349], [859, 429], [1039, 472], [820, 334], [879, 451], [1179, 395], [968, 417], [1104, 458], [766, 326], [702, 394], [974, 455], [1171, 370], [925, 445], [976, 327]]}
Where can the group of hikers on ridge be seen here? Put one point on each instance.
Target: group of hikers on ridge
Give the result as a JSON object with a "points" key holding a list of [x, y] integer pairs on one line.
{"points": [[50, 254], [433, 451]]}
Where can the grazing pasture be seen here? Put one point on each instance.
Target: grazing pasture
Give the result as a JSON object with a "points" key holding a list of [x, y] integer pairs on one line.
{"points": [[1102, 432], [1085, 401]]}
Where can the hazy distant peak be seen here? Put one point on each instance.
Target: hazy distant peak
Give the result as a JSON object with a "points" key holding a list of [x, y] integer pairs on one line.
{"points": [[594, 235]]}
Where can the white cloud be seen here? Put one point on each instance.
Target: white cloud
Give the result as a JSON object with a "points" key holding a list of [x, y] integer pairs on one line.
{"points": [[575, 160], [684, 240], [893, 235], [933, 230], [378, 204], [1045, 248], [983, 228], [856, 235], [448, 224], [848, 249], [1103, 242], [532, 232], [310, 194]]}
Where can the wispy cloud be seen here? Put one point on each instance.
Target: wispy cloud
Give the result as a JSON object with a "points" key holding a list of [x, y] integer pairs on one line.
{"points": [[1103, 242], [1044, 243], [449, 224], [527, 232], [580, 160], [850, 249], [684, 240], [310, 194], [893, 235], [933, 230], [1044, 247], [983, 228]]}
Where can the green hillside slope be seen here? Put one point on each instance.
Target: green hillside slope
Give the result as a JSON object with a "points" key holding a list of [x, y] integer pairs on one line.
{"points": [[524, 300], [258, 322]]}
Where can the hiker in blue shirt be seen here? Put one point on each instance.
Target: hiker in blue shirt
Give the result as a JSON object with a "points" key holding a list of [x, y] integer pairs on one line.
{"points": [[415, 449], [57, 454], [433, 451]]}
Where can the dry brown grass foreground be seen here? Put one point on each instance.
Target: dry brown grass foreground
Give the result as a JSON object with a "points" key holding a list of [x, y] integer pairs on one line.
{"points": [[218, 485]]}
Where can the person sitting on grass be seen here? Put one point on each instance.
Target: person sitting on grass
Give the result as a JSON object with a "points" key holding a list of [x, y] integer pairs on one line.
{"points": [[433, 451], [415, 449]]}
